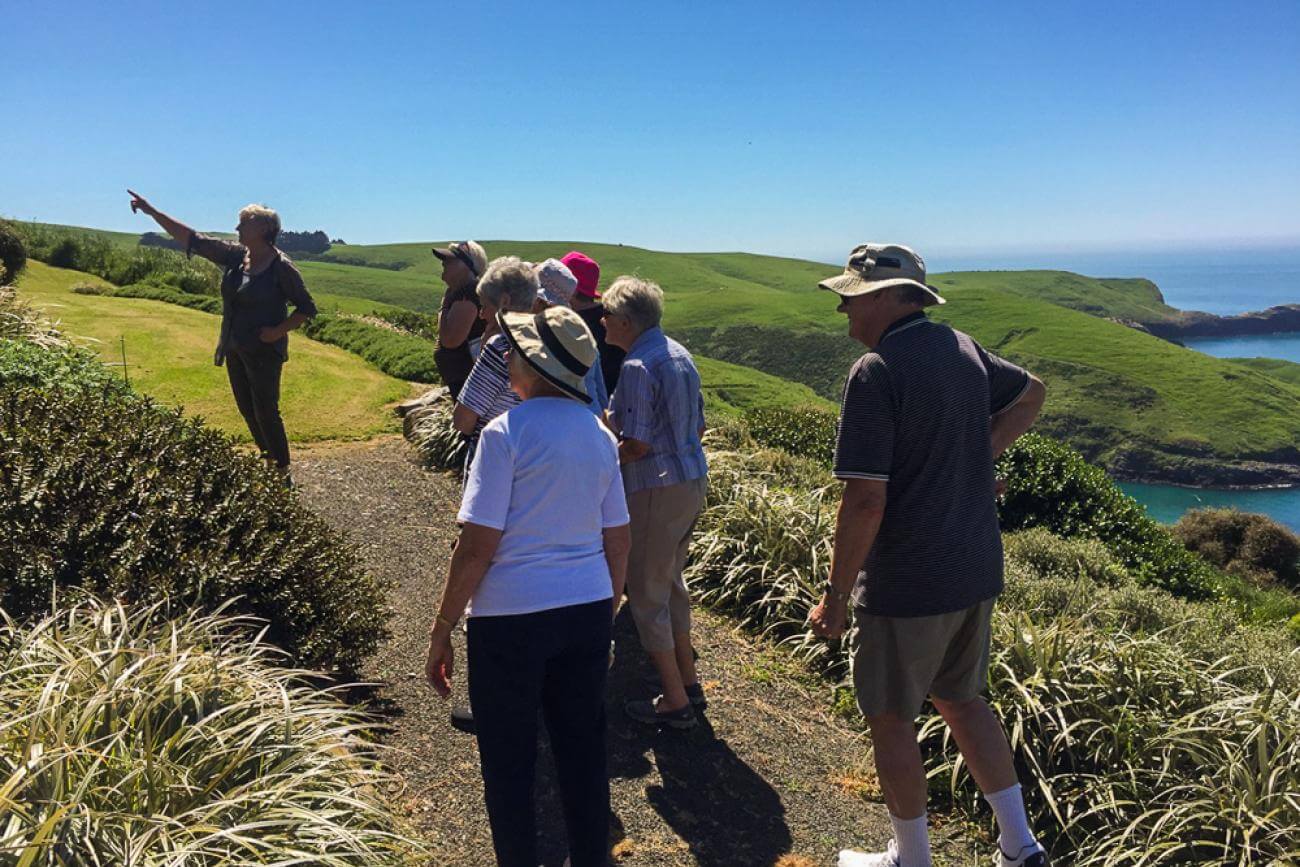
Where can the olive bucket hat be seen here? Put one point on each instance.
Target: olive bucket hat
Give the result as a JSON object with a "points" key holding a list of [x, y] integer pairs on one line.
{"points": [[873, 267], [556, 343]]}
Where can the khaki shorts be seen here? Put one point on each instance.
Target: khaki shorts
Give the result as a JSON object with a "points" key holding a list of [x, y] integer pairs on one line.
{"points": [[662, 521], [899, 661]]}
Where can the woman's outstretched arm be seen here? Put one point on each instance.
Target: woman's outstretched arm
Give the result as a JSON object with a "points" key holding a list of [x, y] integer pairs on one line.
{"points": [[179, 231]]}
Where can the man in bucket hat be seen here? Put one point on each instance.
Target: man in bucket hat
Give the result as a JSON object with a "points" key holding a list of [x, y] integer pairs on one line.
{"points": [[917, 546]]}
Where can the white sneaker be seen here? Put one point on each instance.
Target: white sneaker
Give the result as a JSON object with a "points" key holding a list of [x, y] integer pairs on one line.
{"points": [[852, 858], [1030, 856]]}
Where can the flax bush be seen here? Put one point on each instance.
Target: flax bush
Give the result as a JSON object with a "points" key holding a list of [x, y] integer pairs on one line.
{"points": [[1148, 728], [440, 446], [131, 739], [1138, 749]]}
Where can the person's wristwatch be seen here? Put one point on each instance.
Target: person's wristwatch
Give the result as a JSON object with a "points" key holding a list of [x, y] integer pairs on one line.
{"points": [[829, 590]]}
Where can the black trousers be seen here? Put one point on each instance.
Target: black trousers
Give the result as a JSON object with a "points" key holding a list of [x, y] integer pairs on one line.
{"points": [[255, 380], [555, 661]]}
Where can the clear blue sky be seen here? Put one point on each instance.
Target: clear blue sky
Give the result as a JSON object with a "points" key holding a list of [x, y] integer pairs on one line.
{"points": [[792, 128]]}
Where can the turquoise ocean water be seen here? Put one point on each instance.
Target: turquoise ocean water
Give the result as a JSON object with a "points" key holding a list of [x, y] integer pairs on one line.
{"points": [[1222, 281]]}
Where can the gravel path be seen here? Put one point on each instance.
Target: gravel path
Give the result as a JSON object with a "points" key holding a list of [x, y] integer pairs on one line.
{"points": [[771, 778]]}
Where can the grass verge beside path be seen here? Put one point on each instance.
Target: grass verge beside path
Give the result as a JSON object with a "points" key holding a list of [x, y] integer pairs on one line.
{"points": [[327, 393]]}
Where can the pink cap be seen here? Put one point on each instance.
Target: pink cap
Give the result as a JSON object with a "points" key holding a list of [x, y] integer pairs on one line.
{"points": [[587, 272]]}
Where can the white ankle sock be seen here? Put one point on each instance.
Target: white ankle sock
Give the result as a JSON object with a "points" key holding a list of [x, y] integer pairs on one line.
{"points": [[1013, 827], [912, 837]]}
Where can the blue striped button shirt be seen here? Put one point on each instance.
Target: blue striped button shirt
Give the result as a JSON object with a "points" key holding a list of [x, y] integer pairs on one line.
{"points": [[658, 402]]}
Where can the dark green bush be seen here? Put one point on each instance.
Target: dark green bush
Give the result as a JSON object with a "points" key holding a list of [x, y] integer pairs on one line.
{"points": [[1243, 543], [155, 292], [106, 491], [13, 254], [94, 254], [404, 356], [420, 324], [1050, 485], [1050, 556], [803, 431]]}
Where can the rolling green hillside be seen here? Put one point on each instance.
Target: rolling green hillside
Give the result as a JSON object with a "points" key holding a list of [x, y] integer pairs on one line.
{"points": [[1143, 407]]}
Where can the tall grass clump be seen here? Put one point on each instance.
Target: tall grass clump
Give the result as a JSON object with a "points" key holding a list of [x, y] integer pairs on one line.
{"points": [[1139, 748], [104, 490], [440, 446], [131, 738]]}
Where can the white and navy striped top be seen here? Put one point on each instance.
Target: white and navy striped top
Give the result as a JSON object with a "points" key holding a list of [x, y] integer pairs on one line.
{"points": [[916, 414]]}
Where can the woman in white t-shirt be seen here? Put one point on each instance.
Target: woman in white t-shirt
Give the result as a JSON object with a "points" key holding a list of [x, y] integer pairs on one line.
{"points": [[539, 569]]}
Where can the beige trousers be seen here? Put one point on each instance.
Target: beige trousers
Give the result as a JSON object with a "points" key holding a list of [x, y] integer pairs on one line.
{"points": [[662, 521]]}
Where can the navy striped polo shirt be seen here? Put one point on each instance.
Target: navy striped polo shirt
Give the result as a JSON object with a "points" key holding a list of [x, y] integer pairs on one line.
{"points": [[916, 413]]}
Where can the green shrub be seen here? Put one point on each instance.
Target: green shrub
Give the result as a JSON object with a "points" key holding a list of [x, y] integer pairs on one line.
{"points": [[94, 254], [1293, 627], [1050, 485], [803, 431], [13, 254], [1049, 555], [1243, 543], [156, 292], [126, 738], [404, 356], [420, 324], [107, 491]]}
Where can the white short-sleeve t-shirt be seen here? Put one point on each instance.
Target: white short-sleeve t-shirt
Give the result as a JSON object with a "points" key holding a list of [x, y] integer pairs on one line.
{"points": [[546, 474]]}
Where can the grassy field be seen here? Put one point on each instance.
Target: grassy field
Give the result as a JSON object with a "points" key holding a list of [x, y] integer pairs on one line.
{"points": [[327, 393]]}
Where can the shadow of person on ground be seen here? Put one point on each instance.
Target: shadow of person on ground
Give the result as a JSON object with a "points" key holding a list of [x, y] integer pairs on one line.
{"points": [[724, 810]]}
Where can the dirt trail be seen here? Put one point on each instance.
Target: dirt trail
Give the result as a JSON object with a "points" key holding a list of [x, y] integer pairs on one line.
{"points": [[771, 778]]}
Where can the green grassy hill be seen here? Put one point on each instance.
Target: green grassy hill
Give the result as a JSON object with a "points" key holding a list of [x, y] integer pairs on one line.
{"points": [[169, 353], [1143, 407]]}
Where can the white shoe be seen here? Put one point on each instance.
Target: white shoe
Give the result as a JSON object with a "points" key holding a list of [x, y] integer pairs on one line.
{"points": [[852, 858], [1030, 856]]}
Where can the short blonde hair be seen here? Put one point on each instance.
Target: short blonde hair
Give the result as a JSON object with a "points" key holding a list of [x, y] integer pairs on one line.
{"points": [[509, 284], [267, 218], [641, 301]]}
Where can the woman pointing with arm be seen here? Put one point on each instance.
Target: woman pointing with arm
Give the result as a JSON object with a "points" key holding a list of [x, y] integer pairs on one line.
{"points": [[258, 284]]}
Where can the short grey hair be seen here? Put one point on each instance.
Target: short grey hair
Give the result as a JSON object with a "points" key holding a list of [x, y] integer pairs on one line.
{"points": [[509, 284], [641, 301], [909, 294], [268, 219]]}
